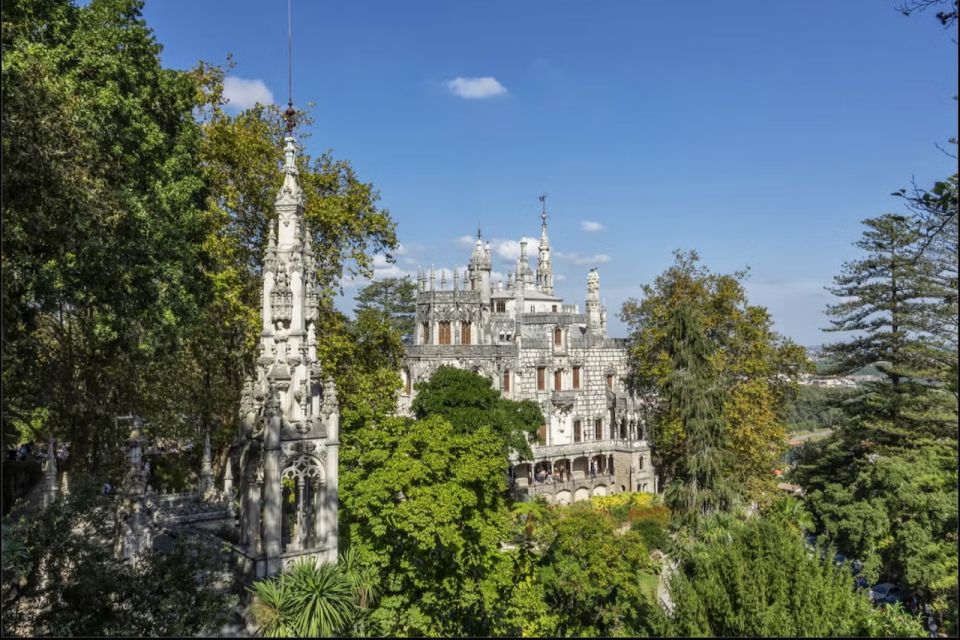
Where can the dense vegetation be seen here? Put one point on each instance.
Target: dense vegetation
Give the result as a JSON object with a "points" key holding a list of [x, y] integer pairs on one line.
{"points": [[134, 212]]}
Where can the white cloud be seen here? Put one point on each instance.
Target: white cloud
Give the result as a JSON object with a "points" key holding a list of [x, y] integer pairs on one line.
{"points": [[577, 258], [465, 241], [242, 93], [559, 277], [590, 226], [473, 88], [507, 249]]}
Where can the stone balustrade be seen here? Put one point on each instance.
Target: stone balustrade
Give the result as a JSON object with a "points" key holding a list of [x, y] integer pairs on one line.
{"points": [[578, 449]]}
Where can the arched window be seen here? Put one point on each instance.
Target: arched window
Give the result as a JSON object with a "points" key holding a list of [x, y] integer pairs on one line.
{"points": [[506, 381], [557, 337], [576, 377], [465, 332], [558, 380], [541, 378]]}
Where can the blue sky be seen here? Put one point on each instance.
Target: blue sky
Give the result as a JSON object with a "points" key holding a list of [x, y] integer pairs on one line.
{"points": [[758, 133]]}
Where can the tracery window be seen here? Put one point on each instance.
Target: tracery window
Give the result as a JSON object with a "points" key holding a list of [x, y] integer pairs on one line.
{"points": [[500, 306], [464, 333], [444, 332]]}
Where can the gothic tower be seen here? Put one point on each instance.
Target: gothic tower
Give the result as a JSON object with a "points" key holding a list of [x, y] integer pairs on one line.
{"points": [[544, 269], [289, 418]]}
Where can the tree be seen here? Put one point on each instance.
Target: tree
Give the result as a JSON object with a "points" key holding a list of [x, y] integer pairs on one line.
{"points": [[426, 503], [577, 573], [394, 297], [469, 401], [762, 581], [691, 393], [894, 303], [884, 488], [758, 368], [103, 219]]}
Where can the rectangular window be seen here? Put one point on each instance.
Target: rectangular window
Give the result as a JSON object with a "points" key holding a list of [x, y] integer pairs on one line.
{"points": [[557, 337], [541, 378], [558, 380], [501, 306], [576, 377], [425, 333], [506, 381], [553, 308], [577, 431], [464, 333], [444, 332], [542, 434], [610, 381], [406, 381], [598, 429]]}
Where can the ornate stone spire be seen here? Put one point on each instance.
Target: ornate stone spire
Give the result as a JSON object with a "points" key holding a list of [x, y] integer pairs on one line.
{"points": [[544, 268], [290, 427], [595, 320]]}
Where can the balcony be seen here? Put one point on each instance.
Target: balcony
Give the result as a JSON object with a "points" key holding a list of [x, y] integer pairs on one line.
{"points": [[576, 449]]}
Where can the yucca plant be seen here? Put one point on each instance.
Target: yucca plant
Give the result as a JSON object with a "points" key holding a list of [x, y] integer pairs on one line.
{"points": [[271, 607], [310, 600], [322, 598]]}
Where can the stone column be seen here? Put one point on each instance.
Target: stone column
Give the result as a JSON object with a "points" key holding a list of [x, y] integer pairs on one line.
{"points": [[272, 487], [50, 476], [332, 491], [252, 517], [317, 517], [206, 467]]}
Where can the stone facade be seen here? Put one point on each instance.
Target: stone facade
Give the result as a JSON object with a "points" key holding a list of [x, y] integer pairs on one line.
{"points": [[289, 418], [533, 346]]}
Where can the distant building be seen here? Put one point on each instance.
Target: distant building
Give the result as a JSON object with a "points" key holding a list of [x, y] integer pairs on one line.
{"points": [[533, 346]]}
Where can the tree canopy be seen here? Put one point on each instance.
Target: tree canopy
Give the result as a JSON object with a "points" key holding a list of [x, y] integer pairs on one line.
{"points": [[757, 368], [469, 401]]}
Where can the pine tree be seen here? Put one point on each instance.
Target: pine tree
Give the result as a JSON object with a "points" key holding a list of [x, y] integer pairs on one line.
{"points": [[894, 300], [701, 487]]}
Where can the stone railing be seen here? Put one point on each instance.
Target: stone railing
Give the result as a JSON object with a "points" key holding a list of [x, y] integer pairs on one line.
{"points": [[552, 488], [577, 449], [553, 317], [461, 350]]}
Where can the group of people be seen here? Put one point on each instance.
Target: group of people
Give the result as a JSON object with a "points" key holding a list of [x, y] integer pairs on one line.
{"points": [[543, 476]]}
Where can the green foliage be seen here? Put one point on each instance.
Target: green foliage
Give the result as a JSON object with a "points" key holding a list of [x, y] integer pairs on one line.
{"points": [[815, 408], [70, 567], [701, 487], [133, 230], [103, 218], [469, 401], [884, 488], [394, 297], [425, 502], [762, 581], [579, 572], [757, 368], [309, 600]]}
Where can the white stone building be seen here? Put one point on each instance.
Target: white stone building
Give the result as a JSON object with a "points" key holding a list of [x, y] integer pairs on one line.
{"points": [[533, 346]]}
